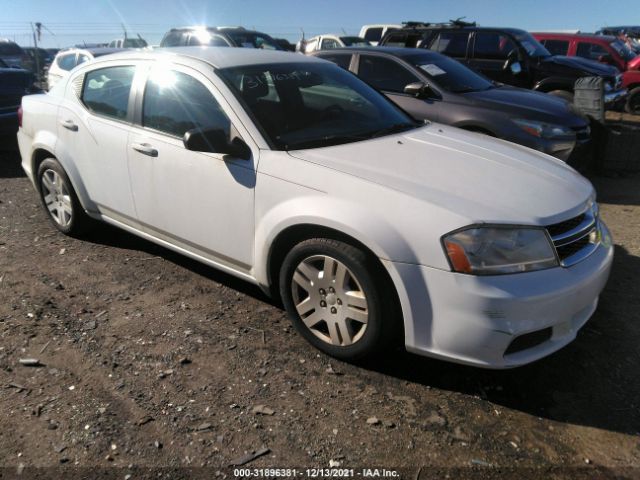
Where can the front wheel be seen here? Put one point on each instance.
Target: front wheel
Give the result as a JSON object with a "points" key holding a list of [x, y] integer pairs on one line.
{"points": [[633, 102], [59, 198], [338, 299]]}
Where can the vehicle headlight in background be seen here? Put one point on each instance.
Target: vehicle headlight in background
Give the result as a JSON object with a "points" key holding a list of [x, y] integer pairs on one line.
{"points": [[544, 130], [498, 250]]}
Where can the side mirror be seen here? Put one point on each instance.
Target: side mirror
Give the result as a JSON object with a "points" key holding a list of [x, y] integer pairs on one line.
{"points": [[215, 140], [515, 68], [419, 90]]}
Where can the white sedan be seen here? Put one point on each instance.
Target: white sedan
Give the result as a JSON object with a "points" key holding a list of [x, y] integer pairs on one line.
{"points": [[291, 173]]}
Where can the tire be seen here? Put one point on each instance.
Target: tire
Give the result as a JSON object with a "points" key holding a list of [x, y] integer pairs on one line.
{"points": [[345, 319], [59, 199], [568, 96], [633, 102]]}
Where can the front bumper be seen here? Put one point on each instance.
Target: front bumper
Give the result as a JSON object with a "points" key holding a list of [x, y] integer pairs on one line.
{"points": [[474, 319]]}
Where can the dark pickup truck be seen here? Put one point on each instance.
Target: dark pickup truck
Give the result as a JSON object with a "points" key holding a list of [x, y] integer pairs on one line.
{"points": [[507, 55], [14, 84]]}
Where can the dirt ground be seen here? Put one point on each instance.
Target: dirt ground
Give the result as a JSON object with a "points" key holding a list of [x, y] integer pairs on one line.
{"points": [[152, 366]]}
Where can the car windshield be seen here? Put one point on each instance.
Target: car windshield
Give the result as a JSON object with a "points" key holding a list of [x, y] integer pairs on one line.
{"points": [[533, 47], [10, 48], [623, 50], [354, 42], [313, 105], [2, 64], [253, 40], [449, 74]]}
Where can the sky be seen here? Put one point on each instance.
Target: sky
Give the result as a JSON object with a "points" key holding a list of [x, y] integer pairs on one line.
{"points": [[69, 22]]}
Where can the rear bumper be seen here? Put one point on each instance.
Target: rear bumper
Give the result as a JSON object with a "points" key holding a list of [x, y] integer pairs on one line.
{"points": [[474, 320]]}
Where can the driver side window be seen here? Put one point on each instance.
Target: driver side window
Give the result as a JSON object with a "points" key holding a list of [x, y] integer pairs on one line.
{"points": [[175, 103], [493, 46]]}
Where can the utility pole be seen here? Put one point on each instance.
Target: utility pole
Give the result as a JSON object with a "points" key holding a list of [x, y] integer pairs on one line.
{"points": [[36, 55]]}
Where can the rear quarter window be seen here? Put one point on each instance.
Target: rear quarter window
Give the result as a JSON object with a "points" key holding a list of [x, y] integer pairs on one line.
{"points": [[106, 91]]}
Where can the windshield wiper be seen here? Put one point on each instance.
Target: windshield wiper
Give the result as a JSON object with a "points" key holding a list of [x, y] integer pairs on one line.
{"points": [[391, 129], [327, 141]]}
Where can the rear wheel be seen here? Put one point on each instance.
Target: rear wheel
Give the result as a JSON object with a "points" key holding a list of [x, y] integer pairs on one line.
{"points": [[333, 293], [633, 102], [568, 96], [59, 198]]}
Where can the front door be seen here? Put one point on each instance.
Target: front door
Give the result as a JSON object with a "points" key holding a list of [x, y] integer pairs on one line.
{"points": [[495, 55], [390, 77], [202, 202]]}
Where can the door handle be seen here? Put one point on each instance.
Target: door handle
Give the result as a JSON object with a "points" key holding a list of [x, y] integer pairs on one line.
{"points": [[69, 125], [145, 149]]}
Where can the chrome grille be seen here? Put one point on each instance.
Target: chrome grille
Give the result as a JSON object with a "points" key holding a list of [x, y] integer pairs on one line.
{"points": [[577, 238]]}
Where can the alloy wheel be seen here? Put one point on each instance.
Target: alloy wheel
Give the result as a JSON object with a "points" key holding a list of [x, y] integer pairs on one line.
{"points": [[330, 300], [56, 197]]}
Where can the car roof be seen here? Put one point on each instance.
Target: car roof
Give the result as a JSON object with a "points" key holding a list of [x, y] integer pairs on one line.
{"points": [[400, 52], [96, 52], [438, 27], [218, 57], [222, 29], [576, 36]]}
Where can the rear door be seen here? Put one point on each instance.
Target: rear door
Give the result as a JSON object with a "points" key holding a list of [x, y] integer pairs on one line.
{"points": [[390, 77], [93, 126]]}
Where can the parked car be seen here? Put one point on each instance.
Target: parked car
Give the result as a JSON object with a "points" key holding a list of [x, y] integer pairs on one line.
{"points": [[12, 54], [285, 44], [67, 60], [601, 48], [14, 84], [328, 42], [128, 42], [431, 86], [373, 33], [42, 62], [293, 174], [218, 37], [508, 55]]}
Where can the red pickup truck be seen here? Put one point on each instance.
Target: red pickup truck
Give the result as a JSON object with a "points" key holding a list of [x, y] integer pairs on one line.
{"points": [[602, 48]]}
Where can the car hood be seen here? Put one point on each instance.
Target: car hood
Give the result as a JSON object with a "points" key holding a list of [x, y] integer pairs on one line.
{"points": [[471, 175], [529, 104], [588, 66]]}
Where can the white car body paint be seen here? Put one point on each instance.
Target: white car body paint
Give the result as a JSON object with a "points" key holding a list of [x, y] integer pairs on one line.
{"points": [[398, 195]]}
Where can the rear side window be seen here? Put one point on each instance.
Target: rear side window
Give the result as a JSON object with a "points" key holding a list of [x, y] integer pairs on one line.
{"points": [[340, 60], [373, 34], [385, 74], [556, 47], [175, 103], [592, 51], [67, 62], [494, 46], [453, 44], [106, 91]]}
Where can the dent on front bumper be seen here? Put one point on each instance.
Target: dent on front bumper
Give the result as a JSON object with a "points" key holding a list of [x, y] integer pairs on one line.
{"points": [[474, 319]]}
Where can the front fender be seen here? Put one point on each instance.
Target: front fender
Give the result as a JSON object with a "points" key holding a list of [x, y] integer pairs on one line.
{"points": [[316, 208]]}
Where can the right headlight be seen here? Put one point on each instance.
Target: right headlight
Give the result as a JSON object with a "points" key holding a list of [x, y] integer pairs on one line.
{"points": [[495, 250]]}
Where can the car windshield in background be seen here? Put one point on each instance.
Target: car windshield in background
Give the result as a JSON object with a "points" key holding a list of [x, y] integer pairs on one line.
{"points": [[623, 50], [305, 105], [253, 40], [10, 48], [533, 47], [2, 64], [354, 42], [134, 43], [449, 74]]}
